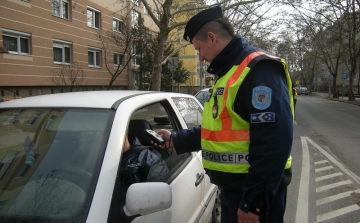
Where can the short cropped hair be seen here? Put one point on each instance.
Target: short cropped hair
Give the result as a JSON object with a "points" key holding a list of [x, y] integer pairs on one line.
{"points": [[221, 27]]}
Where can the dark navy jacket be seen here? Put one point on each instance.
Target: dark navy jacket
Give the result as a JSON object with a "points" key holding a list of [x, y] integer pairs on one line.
{"points": [[270, 142]]}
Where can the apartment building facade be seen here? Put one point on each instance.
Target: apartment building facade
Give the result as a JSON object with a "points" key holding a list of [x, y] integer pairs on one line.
{"points": [[43, 36]]}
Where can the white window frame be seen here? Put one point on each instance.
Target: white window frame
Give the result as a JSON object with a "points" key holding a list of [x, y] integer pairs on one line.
{"points": [[60, 12], [134, 18], [117, 25], [62, 45], [120, 59], [136, 2], [91, 20], [135, 57], [18, 36], [146, 12], [94, 51]]}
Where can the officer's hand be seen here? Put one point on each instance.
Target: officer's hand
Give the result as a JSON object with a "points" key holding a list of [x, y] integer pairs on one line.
{"points": [[165, 134], [247, 217]]}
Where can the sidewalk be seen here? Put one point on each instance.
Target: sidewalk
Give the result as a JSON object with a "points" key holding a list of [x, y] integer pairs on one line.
{"points": [[344, 99]]}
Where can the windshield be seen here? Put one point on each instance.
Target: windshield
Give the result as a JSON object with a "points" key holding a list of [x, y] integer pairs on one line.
{"points": [[49, 162], [202, 96]]}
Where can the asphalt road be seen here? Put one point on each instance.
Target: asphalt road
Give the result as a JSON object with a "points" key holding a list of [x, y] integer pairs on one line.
{"points": [[326, 153]]}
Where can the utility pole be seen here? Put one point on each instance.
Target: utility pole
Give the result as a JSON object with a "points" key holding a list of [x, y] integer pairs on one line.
{"points": [[201, 75], [173, 65]]}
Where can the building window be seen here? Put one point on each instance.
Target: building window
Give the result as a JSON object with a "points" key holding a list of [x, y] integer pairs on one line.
{"points": [[134, 18], [117, 25], [94, 57], [93, 18], [118, 59], [136, 57], [146, 12], [348, 62], [148, 36], [62, 51], [16, 42], [136, 2], [60, 8]]}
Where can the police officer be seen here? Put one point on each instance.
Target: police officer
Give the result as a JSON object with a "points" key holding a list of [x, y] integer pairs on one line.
{"points": [[247, 125], [295, 94]]}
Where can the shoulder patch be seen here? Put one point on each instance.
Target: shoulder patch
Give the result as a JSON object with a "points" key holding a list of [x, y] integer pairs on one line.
{"points": [[261, 97], [219, 91], [263, 117]]}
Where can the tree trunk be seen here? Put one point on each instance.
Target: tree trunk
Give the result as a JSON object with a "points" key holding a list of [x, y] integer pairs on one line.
{"points": [[335, 93], [162, 37], [156, 77], [350, 87]]}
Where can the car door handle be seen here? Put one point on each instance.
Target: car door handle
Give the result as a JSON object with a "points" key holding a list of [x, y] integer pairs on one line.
{"points": [[200, 178]]}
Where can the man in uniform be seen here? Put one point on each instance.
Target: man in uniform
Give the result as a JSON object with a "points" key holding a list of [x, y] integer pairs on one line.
{"points": [[247, 125]]}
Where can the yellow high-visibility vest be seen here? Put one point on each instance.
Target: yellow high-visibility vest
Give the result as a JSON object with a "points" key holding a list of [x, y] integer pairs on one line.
{"points": [[225, 136]]}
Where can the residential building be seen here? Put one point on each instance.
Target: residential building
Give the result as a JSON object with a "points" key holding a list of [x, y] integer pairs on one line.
{"points": [[43, 37]]}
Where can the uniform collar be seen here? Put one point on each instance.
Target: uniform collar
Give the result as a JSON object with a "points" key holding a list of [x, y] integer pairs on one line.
{"points": [[227, 57]]}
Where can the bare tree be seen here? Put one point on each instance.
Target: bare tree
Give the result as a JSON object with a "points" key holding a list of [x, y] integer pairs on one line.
{"points": [[171, 17], [350, 17], [332, 28], [120, 42], [256, 22], [68, 77]]}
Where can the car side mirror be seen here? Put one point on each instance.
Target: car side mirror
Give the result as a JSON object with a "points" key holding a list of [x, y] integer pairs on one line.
{"points": [[147, 198]]}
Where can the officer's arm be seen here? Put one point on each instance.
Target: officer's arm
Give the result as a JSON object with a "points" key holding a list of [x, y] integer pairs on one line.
{"points": [[270, 140], [187, 140]]}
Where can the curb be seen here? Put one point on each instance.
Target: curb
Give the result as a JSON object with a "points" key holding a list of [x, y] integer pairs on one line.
{"points": [[356, 102]]}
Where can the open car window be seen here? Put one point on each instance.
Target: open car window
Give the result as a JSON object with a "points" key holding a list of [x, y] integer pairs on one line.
{"points": [[161, 116], [155, 116]]}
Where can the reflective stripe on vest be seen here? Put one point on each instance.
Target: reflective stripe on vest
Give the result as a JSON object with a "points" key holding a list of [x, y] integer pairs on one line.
{"points": [[225, 157], [225, 139]]}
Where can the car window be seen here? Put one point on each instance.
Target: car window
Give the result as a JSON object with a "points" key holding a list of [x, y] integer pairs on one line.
{"points": [[190, 111], [49, 162], [202, 96], [159, 116]]}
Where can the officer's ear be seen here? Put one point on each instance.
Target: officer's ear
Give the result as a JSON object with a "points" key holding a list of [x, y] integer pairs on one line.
{"points": [[212, 37]]}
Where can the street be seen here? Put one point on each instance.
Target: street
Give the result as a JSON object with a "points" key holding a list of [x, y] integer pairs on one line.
{"points": [[326, 183]]}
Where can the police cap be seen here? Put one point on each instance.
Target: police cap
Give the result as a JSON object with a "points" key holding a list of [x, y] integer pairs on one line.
{"points": [[199, 20]]}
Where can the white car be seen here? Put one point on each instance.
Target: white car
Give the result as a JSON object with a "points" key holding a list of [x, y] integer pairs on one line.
{"points": [[203, 95], [60, 156]]}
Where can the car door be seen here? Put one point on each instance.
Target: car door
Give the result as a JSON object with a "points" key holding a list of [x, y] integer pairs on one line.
{"points": [[192, 116], [186, 174]]}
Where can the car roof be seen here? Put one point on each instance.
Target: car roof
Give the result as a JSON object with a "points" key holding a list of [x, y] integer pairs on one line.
{"points": [[204, 89], [85, 99]]}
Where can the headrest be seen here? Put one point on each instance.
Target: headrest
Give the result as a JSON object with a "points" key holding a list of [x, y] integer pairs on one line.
{"points": [[136, 129]]}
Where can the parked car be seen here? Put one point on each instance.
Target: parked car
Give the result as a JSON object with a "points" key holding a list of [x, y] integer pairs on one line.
{"points": [[60, 156], [303, 90], [202, 95]]}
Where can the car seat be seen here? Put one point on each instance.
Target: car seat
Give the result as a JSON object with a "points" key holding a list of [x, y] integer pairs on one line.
{"points": [[137, 128]]}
